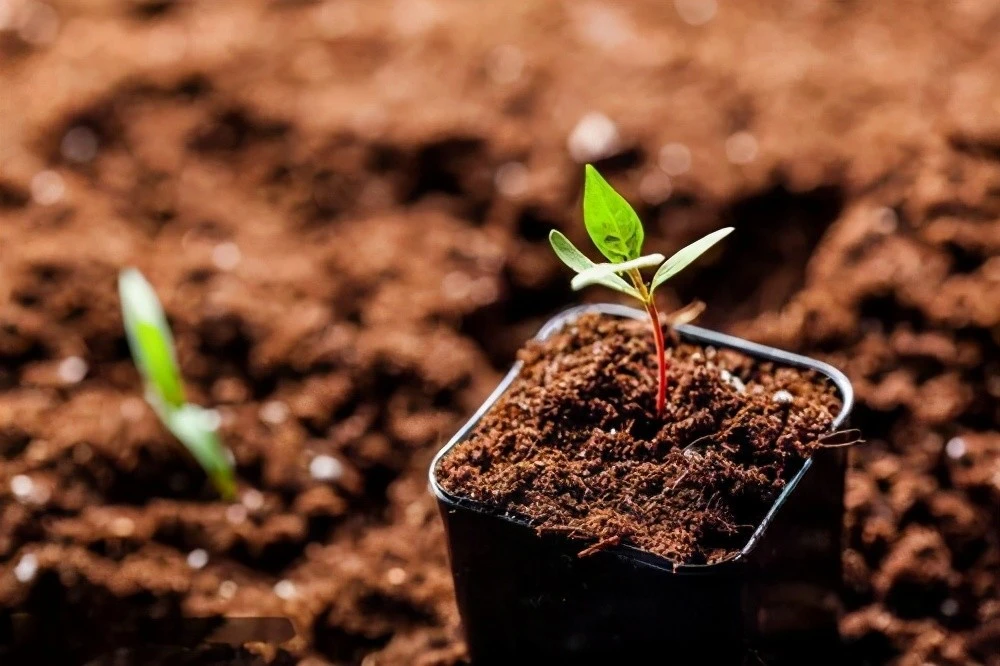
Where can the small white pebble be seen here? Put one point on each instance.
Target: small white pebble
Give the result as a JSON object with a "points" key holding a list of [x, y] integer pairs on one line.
{"points": [[949, 607], [227, 589], [396, 576], [613, 431], [675, 159], [72, 370], [236, 513], [47, 188], [741, 148], [26, 568], [594, 137], [285, 589], [122, 527], [22, 486], [226, 256], [655, 187], [886, 220], [955, 448], [782, 397], [696, 12], [326, 468], [512, 179], [253, 499], [79, 145], [505, 64], [197, 558], [274, 412]]}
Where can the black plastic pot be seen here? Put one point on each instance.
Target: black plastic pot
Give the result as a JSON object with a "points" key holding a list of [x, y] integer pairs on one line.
{"points": [[530, 598]]}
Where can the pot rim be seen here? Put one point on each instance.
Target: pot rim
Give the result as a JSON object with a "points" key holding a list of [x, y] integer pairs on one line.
{"points": [[690, 333]]}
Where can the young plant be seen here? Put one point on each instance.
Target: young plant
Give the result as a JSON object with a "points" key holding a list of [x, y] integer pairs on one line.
{"points": [[615, 229], [153, 352]]}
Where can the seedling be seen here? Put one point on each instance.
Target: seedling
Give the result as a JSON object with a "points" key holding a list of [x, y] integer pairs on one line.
{"points": [[617, 232], [153, 352]]}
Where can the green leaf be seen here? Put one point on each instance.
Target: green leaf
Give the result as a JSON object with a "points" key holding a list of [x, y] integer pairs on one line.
{"points": [[612, 224], [579, 262], [679, 261], [149, 338], [192, 425], [598, 272]]}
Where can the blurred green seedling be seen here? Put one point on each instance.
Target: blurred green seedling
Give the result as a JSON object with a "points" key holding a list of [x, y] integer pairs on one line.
{"points": [[153, 351], [615, 229]]}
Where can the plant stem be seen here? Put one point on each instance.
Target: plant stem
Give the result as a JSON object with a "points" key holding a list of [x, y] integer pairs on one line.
{"points": [[661, 355]]}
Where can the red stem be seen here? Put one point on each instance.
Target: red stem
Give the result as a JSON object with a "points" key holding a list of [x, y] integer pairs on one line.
{"points": [[661, 358]]}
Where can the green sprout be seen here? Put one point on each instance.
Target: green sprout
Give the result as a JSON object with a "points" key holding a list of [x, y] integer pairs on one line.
{"points": [[615, 229], [153, 352]]}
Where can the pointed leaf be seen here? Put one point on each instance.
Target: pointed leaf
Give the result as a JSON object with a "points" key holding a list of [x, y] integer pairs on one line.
{"points": [[579, 262], [598, 272], [612, 224], [149, 337], [191, 424], [679, 261]]}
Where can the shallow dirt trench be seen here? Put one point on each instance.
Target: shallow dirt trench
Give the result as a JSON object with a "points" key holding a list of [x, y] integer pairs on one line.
{"points": [[343, 206]]}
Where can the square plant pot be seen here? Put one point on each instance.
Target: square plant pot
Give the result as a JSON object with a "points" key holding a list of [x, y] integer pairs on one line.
{"points": [[525, 597]]}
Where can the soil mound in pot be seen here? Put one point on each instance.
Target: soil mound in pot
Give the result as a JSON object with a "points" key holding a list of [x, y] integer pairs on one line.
{"points": [[575, 444]]}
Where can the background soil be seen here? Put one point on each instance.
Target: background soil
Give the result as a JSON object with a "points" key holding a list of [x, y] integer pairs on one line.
{"points": [[343, 205]]}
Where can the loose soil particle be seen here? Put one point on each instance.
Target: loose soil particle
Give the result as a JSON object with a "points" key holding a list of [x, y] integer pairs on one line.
{"points": [[575, 445]]}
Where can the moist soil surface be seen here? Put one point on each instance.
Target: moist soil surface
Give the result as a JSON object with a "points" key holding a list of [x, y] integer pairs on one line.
{"points": [[343, 205], [576, 446]]}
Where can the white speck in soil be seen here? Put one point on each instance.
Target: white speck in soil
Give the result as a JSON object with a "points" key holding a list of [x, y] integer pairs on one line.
{"points": [[326, 468], [285, 589], [47, 188], [22, 486], [886, 220], [675, 159], [396, 576], [512, 179], [197, 558], [741, 148], [72, 370], [227, 589], [274, 412], [696, 12], [226, 256], [949, 608], [594, 137], [26, 568], [253, 500], [955, 448], [782, 397], [79, 145]]}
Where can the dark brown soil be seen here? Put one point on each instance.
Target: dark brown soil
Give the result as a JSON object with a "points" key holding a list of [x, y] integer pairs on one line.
{"points": [[364, 158], [576, 446]]}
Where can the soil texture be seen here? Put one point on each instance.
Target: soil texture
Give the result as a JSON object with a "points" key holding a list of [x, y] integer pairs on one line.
{"points": [[575, 445], [343, 205]]}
